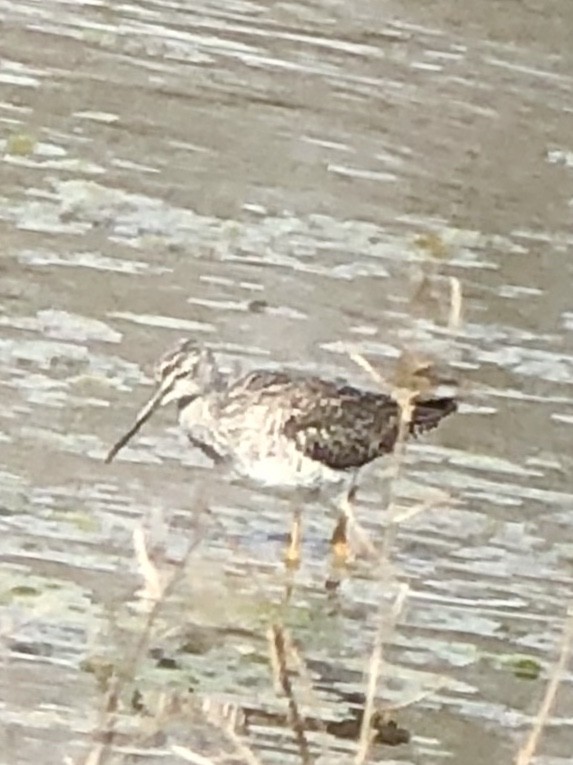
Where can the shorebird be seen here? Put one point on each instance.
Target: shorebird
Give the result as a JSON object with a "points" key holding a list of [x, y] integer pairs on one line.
{"points": [[282, 429]]}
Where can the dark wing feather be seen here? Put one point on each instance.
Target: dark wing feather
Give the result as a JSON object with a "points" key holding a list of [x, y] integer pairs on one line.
{"points": [[344, 428], [429, 412], [347, 428]]}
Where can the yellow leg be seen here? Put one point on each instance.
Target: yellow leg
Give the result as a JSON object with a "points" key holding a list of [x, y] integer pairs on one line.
{"points": [[292, 554], [339, 540], [343, 549]]}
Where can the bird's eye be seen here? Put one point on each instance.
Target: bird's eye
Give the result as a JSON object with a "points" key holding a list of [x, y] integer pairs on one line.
{"points": [[181, 360], [165, 367]]}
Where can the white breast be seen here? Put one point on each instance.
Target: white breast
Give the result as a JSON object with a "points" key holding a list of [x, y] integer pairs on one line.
{"points": [[274, 470], [256, 446]]}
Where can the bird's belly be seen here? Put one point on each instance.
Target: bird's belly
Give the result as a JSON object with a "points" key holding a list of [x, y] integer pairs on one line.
{"points": [[273, 472], [257, 450]]}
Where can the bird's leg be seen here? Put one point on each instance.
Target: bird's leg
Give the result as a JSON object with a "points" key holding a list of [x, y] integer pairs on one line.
{"points": [[292, 554], [339, 541], [347, 521], [299, 499], [207, 450], [339, 538]]}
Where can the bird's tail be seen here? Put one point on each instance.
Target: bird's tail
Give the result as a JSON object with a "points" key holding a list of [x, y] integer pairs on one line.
{"points": [[429, 412]]}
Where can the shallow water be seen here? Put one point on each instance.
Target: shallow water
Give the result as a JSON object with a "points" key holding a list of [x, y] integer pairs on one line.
{"points": [[279, 181]]}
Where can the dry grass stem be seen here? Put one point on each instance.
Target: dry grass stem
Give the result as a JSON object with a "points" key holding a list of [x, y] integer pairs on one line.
{"points": [[189, 756], [374, 672], [157, 594], [399, 601], [365, 543], [278, 650], [240, 747], [244, 751], [376, 657], [228, 714], [311, 698], [405, 398], [456, 302], [364, 364], [275, 663], [165, 590], [301, 668], [95, 755], [415, 698], [525, 754], [402, 514], [107, 726], [153, 588]]}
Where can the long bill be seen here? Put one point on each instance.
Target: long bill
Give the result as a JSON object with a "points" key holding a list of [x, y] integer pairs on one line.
{"points": [[142, 417]]}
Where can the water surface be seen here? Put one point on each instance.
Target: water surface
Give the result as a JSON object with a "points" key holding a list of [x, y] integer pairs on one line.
{"points": [[280, 181]]}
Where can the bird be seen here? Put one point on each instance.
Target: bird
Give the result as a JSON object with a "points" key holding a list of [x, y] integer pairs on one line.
{"points": [[282, 429]]}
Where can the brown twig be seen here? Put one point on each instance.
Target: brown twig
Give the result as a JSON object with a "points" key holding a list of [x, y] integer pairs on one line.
{"points": [[405, 398], [157, 592], [456, 304], [527, 751], [375, 670], [242, 749], [277, 644]]}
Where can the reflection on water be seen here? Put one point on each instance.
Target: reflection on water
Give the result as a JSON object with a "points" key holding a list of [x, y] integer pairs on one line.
{"points": [[281, 181]]}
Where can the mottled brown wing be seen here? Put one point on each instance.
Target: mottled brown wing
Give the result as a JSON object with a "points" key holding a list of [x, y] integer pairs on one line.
{"points": [[344, 428], [341, 426]]}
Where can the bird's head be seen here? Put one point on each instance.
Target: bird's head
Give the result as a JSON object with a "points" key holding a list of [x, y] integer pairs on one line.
{"points": [[183, 373]]}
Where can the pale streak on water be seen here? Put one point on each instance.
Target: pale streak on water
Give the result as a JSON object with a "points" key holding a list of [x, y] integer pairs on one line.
{"points": [[248, 172]]}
